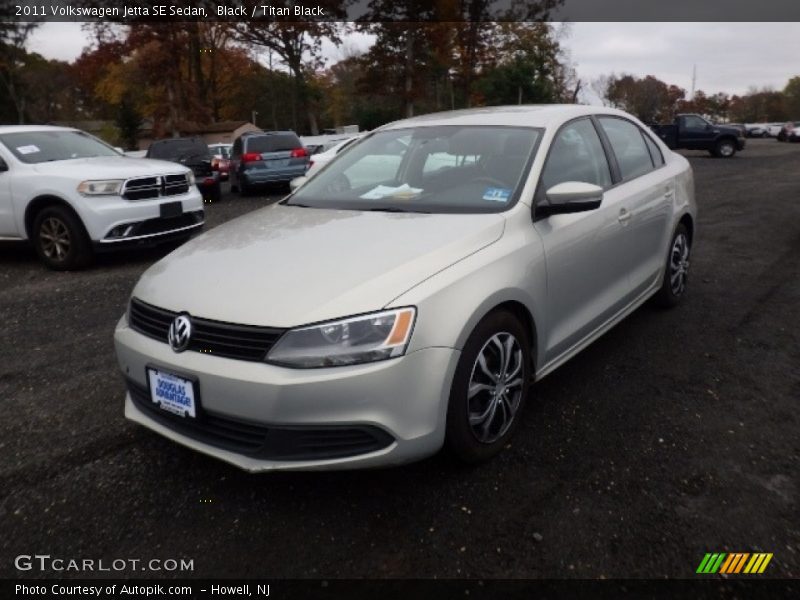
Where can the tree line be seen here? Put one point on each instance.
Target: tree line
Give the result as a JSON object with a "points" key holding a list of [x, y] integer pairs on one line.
{"points": [[169, 74], [653, 100]]}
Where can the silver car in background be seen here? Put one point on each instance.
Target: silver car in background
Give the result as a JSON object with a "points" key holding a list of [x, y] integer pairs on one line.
{"points": [[406, 297]]}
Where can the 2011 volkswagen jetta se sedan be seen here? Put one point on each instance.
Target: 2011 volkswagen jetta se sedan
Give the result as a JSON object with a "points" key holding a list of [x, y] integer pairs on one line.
{"points": [[406, 297]]}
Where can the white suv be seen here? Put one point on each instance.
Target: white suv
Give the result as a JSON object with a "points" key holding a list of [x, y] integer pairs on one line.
{"points": [[73, 195]]}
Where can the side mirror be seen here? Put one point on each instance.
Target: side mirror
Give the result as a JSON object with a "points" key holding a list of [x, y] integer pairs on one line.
{"points": [[571, 197], [3, 166], [297, 182]]}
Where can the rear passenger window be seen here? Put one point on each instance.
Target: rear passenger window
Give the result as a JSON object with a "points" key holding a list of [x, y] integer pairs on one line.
{"points": [[629, 147], [279, 142], [576, 155], [655, 152]]}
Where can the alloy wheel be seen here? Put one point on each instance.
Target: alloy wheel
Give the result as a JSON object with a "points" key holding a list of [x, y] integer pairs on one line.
{"points": [[495, 387], [55, 239], [679, 264]]}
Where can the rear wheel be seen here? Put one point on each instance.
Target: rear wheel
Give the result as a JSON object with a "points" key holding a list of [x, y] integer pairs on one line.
{"points": [[489, 388], [676, 271], [60, 239]]}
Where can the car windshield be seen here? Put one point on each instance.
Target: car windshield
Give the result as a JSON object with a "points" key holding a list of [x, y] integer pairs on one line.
{"points": [[469, 169], [44, 146], [178, 149]]}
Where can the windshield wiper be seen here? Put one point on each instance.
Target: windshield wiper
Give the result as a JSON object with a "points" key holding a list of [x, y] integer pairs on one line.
{"points": [[396, 209]]}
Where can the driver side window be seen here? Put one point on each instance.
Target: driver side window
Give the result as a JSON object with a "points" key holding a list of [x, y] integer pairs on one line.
{"points": [[576, 155]]}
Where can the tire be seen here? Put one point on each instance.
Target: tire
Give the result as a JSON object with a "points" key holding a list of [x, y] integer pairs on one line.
{"points": [[725, 148], [60, 239], [673, 284], [216, 194], [479, 441]]}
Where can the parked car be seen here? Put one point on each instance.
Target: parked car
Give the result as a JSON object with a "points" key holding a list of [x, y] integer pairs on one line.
{"points": [[221, 159], [794, 135], [318, 161], [773, 129], [786, 130], [72, 195], [756, 130], [263, 158], [362, 325], [693, 132], [193, 153]]}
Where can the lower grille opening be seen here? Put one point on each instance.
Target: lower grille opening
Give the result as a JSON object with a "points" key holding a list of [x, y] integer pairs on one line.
{"points": [[157, 225], [267, 441]]}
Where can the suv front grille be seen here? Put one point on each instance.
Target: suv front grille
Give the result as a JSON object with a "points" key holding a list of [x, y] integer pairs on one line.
{"points": [[266, 441], [146, 188], [242, 342]]}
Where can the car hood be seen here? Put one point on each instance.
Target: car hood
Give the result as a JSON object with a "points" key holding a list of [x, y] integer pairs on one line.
{"points": [[109, 167], [285, 266]]}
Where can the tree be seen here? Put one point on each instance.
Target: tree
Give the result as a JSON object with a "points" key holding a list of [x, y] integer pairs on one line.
{"points": [[13, 37], [298, 44], [648, 98], [791, 94]]}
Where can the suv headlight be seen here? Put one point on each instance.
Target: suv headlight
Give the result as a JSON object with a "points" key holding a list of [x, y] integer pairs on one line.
{"points": [[103, 187], [356, 340], [191, 178]]}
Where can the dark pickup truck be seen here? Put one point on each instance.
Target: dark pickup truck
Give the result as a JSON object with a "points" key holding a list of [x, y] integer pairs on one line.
{"points": [[693, 132], [193, 153]]}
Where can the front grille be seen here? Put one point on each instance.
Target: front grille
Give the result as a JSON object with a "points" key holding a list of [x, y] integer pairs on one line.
{"points": [[266, 441], [146, 188], [242, 342]]}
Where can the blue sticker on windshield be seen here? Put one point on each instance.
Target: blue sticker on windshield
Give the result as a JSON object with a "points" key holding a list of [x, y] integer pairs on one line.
{"points": [[497, 194]]}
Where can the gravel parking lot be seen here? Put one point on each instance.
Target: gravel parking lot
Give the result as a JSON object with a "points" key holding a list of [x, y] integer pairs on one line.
{"points": [[674, 435]]}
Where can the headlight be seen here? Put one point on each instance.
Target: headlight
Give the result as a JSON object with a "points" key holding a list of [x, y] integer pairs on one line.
{"points": [[190, 178], [105, 187], [352, 341]]}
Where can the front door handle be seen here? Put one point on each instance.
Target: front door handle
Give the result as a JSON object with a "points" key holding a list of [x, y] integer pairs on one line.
{"points": [[624, 216]]}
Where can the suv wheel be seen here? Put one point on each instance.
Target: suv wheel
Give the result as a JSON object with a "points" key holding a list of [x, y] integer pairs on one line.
{"points": [[60, 239], [489, 388]]}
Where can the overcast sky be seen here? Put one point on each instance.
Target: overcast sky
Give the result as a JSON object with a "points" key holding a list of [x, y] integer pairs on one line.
{"points": [[730, 57]]}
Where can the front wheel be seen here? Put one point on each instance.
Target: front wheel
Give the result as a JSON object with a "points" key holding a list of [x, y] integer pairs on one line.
{"points": [[676, 271], [725, 149], [489, 388], [60, 239]]}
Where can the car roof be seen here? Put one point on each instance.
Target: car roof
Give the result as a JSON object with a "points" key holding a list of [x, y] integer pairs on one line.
{"points": [[252, 133], [28, 128], [530, 115]]}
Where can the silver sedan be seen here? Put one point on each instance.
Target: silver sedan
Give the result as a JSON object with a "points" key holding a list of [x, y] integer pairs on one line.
{"points": [[409, 295]]}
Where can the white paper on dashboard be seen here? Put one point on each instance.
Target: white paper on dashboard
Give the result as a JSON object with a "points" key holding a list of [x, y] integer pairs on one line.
{"points": [[382, 191], [31, 149]]}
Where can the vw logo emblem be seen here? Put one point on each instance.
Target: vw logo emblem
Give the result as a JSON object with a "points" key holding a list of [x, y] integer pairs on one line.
{"points": [[180, 332]]}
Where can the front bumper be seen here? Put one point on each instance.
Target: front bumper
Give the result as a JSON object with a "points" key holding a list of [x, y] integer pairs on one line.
{"points": [[403, 399], [102, 215]]}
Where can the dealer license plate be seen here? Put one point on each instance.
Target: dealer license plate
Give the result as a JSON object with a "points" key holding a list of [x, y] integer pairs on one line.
{"points": [[172, 393]]}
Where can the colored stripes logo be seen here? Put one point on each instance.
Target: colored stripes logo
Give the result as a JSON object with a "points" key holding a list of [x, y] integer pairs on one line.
{"points": [[734, 563]]}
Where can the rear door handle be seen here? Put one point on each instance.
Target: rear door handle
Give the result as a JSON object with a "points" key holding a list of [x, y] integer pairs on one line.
{"points": [[669, 193]]}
